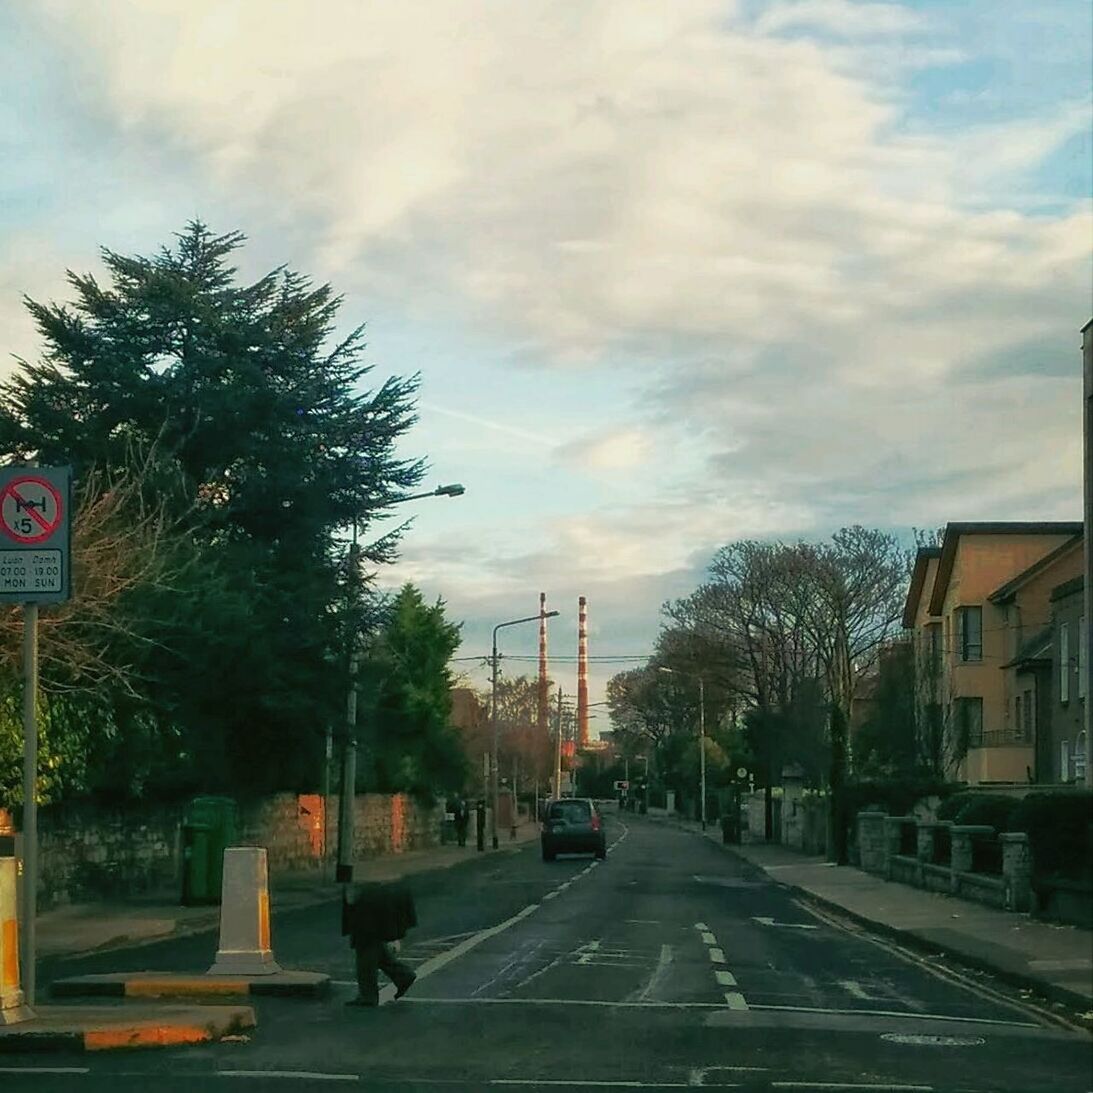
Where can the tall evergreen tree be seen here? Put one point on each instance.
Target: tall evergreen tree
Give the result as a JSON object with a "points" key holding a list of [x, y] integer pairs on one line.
{"points": [[260, 414]]}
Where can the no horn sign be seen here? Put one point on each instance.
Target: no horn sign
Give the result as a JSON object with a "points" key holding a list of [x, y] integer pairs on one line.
{"points": [[35, 534]]}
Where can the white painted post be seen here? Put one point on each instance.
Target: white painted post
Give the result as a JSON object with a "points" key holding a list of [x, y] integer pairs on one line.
{"points": [[244, 915]]}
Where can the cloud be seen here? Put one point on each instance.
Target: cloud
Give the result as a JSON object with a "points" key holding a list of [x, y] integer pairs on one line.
{"points": [[615, 449], [847, 18], [812, 297]]}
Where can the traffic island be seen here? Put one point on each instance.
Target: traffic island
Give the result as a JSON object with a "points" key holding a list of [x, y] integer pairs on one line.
{"points": [[110, 1028], [194, 988]]}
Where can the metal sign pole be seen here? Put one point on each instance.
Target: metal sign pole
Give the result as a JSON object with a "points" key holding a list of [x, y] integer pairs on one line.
{"points": [[30, 797]]}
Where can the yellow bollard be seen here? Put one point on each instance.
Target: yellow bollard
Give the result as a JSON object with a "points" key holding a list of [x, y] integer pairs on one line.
{"points": [[13, 1007]]}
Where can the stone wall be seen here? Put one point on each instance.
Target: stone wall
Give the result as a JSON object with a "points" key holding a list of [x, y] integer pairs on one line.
{"points": [[92, 853]]}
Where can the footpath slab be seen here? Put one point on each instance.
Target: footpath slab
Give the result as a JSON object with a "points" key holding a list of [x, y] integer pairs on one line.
{"points": [[1052, 960], [79, 929], [111, 1028]]}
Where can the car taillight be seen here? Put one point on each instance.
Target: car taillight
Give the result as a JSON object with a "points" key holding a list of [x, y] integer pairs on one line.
{"points": [[595, 822]]}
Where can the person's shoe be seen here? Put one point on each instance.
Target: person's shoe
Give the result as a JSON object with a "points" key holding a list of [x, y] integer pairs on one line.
{"points": [[359, 1001], [405, 985]]}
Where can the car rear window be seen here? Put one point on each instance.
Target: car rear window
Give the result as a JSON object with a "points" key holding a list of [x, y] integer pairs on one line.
{"points": [[570, 811]]}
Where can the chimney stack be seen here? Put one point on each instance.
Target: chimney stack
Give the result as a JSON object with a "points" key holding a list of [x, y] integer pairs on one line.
{"points": [[582, 673], [544, 730]]}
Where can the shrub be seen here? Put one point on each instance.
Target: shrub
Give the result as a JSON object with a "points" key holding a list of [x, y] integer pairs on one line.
{"points": [[992, 809], [1060, 831]]}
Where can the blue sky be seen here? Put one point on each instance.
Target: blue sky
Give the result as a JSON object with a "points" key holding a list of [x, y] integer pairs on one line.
{"points": [[673, 273]]}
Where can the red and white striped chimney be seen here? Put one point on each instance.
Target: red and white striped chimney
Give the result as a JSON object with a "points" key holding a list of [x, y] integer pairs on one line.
{"points": [[582, 673], [544, 697]]}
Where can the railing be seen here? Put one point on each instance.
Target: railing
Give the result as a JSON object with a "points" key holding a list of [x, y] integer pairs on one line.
{"points": [[1000, 738]]}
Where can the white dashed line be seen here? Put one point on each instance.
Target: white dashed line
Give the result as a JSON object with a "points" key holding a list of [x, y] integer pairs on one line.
{"points": [[855, 989], [299, 1075], [701, 926], [708, 938], [725, 979], [735, 1001], [717, 956]]}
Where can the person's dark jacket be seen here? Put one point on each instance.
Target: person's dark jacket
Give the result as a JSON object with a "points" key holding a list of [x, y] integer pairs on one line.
{"points": [[379, 912]]}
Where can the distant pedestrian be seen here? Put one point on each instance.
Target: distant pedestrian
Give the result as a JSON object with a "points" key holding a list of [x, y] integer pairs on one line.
{"points": [[378, 915], [462, 820]]}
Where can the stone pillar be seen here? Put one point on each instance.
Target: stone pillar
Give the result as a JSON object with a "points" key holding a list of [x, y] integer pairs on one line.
{"points": [[961, 861], [1017, 870], [793, 820], [871, 842]]}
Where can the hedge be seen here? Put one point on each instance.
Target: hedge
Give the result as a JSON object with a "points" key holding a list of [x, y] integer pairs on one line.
{"points": [[894, 797], [1060, 832], [993, 809]]}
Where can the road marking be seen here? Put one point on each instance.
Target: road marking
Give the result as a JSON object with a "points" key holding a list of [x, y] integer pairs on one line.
{"points": [[701, 926], [854, 1085], [763, 921], [735, 1000], [717, 956], [642, 921], [586, 951], [856, 989], [900, 1013], [551, 895], [708, 938], [724, 978], [45, 1070], [300, 1075], [664, 963], [584, 1083]]}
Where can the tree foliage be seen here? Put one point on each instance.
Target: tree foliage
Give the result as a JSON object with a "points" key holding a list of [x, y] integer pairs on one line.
{"points": [[267, 447], [405, 683]]}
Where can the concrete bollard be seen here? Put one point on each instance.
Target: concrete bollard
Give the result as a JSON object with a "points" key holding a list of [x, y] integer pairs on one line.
{"points": [[244, 915], [13, 1007]]}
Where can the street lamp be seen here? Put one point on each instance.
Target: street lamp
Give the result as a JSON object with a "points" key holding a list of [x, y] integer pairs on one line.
{"points": [[344, 869], [701, 731], [493, 716]]}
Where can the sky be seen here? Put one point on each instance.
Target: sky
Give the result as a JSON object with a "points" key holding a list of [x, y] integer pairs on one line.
{"points": [[673, 273]]}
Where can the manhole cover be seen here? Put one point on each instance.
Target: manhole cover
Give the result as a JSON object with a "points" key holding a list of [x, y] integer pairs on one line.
{"points": [[931, 1041]]}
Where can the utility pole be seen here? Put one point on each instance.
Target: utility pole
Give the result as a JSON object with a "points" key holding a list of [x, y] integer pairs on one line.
{"points": [[343, 873], [702, 742], [558, 751], [1086, 637], [515, 795], [30, 799], [495, 762]]}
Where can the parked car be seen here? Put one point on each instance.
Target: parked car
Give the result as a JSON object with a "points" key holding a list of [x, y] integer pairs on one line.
{"points": [[573, 825]]}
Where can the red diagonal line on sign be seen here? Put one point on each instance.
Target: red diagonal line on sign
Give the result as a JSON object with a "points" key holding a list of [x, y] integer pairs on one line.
{"points": [[41, 521]]}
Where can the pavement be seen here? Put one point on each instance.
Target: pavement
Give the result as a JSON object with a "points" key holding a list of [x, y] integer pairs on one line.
{"points": [[1053, 960], [670, 965], [91, 927]]}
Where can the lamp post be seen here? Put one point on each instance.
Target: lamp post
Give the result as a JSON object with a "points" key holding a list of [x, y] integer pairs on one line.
{"points": [[344, 869], [493, 715], [701, 733]]}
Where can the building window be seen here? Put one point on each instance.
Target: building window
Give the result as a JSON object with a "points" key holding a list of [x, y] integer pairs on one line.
{"points": [[969, 633], [1083, 655], [935, 644], [1027, 726], [969, 721], [1064, 760], [1080, 756], [1017, 718], [1064, 662]]}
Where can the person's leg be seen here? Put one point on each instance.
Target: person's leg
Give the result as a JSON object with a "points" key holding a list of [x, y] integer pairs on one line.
{"points": [[368, 962], [400, 974]]}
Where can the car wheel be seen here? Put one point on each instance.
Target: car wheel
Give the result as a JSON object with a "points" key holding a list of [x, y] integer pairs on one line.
{"points": [[548, 855], [601, 853]]}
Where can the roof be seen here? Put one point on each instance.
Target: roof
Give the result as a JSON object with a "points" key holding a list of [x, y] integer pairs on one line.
{"points": [[1010, 589], [918, 579], [1034, 651], [1068, 588], [953, 532]]}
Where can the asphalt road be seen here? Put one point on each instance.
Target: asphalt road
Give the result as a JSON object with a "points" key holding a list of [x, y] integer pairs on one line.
{"points": [[671, 965]]}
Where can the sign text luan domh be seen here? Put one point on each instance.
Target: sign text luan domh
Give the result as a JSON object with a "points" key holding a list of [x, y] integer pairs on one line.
{"points": [[35, 534]]}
